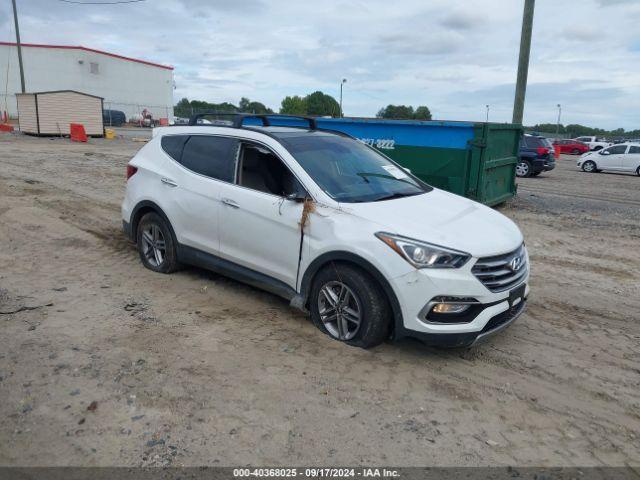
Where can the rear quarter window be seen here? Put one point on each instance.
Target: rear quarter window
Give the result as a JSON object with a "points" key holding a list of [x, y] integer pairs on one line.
{"points": [[532, 142], [173, 145]]}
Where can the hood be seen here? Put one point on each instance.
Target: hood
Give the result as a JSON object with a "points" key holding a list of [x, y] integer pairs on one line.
{"points": [[444, 219]]}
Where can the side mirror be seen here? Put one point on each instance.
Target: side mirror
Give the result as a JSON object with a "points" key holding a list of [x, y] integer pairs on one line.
{"points": [[296, 196]]}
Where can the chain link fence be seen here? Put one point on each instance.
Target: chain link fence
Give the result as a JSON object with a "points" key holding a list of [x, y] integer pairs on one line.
{"points": [[138, 114]]}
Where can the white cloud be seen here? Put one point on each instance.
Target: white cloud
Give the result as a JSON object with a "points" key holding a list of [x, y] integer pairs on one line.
{"points": [[453, 55]]}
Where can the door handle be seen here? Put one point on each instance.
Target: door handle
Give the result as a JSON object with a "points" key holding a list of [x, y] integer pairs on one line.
{"points": [[168, 181], [230, 203]]}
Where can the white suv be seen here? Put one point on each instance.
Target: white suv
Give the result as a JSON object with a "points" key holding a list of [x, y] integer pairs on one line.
{"points": [[330, 224]]}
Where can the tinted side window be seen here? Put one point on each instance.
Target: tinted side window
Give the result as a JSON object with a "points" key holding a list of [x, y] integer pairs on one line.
{"points": [[617, 149], [532, 142], [210, 156], [634, 149], [173, 145]]}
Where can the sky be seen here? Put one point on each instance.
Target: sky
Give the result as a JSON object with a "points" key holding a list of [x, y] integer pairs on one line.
{"points": [[455, 56]]}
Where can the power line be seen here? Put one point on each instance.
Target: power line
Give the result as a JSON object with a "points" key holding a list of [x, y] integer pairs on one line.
{"points": [[101, 3]]}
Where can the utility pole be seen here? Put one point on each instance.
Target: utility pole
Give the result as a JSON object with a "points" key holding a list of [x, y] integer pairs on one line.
{"points": [[487, 113], [344, 80], [523, 61], [558, 124], [15, 20]]}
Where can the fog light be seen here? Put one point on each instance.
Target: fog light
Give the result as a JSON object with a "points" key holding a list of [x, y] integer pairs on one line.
{"points": [[450, 308]]}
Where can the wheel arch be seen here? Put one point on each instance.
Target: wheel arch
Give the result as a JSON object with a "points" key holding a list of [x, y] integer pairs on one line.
{"points": [[142, 208], [350, 258]]}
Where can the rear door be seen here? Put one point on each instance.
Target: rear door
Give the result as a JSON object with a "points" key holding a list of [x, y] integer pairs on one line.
{"points": [[631, 160], [260, 228], [192, 193]]}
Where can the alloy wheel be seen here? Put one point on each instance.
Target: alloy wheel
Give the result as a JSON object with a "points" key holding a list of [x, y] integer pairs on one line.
{"points": [[522, 169], [153, 245], [340, 310], [589, 166]]}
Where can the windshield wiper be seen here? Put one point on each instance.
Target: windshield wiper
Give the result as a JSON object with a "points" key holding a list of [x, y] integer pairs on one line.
{"points": [[364, 176], [395, 195]]}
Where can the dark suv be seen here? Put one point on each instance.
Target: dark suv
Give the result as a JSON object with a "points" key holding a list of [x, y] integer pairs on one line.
{"points": [[536, 156]]}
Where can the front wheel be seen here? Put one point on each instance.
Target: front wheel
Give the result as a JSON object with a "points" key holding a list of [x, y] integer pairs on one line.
{"points": [[347, 304], [155, 244], [638, 171], [523, 169], [589, 166]]}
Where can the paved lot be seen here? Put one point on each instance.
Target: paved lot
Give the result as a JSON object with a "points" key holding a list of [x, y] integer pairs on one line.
{"points": [[193, 369]]}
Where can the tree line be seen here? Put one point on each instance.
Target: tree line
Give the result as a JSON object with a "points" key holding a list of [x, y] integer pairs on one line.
{"points": [[323, 105], [315, 104], [576, 130]]}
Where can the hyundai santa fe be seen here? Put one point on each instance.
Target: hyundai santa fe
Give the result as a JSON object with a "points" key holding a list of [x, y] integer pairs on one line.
{"points": [[330, 224]]}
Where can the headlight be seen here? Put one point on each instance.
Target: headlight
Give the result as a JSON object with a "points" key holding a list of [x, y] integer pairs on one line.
{"points": [[422, 254]]}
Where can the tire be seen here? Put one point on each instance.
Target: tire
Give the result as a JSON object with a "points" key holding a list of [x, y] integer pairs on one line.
{"points": [[575, 151], [524, 169], [599, 147], [359, 296], [638, 171], [589, 166], [155, 244]]}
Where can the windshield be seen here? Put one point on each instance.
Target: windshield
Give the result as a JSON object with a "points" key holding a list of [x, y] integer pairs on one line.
{"points": [[349, 171]]}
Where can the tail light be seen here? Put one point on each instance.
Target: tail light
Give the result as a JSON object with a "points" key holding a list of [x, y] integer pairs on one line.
{"points": [[542, 150], [131, 170]]}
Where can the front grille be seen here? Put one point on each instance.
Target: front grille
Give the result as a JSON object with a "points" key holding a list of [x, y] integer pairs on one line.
{"points": [[501, 272]]}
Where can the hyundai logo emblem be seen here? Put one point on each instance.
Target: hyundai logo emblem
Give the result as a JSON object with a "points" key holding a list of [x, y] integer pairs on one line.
{"points": [[515, 264]]}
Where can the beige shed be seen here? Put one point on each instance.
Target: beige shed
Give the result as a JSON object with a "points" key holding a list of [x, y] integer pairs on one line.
{"points": [[50, 113]]}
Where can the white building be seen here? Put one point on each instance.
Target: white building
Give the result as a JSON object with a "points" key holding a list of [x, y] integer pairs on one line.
{"points": [[126, 84]]}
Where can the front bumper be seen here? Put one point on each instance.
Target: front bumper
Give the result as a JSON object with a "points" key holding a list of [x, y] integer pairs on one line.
{"points": [[458, 340], [416, 289]]}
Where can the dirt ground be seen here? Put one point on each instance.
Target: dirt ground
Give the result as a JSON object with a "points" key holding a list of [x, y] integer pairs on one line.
{"points": [[196, 369]]}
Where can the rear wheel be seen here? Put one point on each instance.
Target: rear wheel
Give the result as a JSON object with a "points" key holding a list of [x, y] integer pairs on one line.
{"points": [[599, 147], [523, 169], [155, 244], [589, 166], [575, 151], [347, 304]]}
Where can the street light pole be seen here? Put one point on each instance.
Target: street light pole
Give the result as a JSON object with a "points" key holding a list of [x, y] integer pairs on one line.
{"points": [[487, 113], [558, 124], [344, 80], [523, 61], [15, 20]]}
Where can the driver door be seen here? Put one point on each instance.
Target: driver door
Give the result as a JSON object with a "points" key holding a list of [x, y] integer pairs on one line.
{"points": [[611, 157], [260, 228]]}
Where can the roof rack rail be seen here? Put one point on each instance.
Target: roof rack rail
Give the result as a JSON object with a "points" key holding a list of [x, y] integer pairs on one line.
{"points": [[237, 119]]}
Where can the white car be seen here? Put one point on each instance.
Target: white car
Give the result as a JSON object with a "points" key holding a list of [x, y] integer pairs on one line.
{"points": [[594, 143], [330, 224], [617, 158]]}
